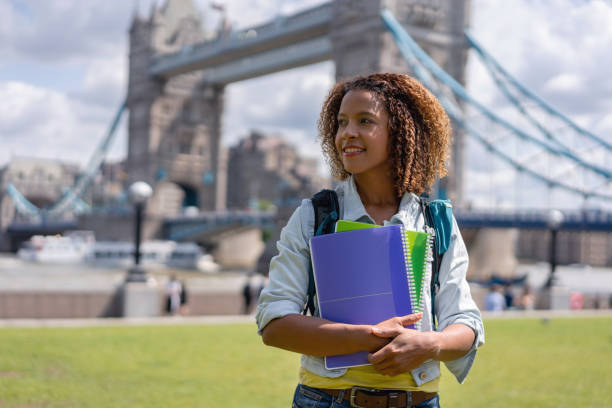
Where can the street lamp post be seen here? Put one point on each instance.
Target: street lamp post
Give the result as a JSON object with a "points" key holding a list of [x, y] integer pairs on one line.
{"points": [[139, 192], [555, 219]]}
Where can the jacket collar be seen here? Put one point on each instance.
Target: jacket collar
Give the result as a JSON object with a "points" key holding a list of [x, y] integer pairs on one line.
{"points": [[355, 211]]}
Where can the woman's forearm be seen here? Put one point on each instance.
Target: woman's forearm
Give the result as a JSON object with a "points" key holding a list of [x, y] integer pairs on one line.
{"points": [[319, 337], [453, 342]]}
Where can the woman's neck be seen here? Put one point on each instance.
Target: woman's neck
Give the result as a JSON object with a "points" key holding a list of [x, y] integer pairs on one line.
{"points": [[378, 197], [375, 191]]}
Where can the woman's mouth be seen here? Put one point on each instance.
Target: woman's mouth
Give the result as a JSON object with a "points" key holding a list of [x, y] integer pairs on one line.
{"points": [[352, 151]]}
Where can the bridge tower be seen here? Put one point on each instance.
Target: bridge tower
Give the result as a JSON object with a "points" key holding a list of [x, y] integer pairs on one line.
{"points": [[362, 45], [174, 124]]}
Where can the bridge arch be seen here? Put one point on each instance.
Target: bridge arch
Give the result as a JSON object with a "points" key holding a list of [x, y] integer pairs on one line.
{"points": [[171, 198]]}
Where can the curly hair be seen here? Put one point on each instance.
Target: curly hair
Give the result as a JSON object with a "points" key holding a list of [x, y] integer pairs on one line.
{"points": [[419, 130]]}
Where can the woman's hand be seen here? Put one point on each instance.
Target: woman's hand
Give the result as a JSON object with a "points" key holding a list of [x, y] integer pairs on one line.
{"points": [[408, 348], [394, 326]]}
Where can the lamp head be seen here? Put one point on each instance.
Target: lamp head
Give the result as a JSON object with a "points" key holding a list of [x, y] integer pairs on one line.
{"points": [[139, 192], [555, 219]]}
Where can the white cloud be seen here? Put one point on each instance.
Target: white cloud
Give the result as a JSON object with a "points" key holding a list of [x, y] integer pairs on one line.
{"points": [[65, 31], [104, 82], [603, 126], [289, 100], [565, 82], [24, 107], [37, 122]]}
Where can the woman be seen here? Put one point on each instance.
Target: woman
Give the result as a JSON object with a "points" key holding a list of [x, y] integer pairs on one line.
{"points": [[387, 138]]}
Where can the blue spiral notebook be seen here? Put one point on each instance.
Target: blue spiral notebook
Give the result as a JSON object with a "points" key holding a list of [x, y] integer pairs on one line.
{"points": [[365, 276]]}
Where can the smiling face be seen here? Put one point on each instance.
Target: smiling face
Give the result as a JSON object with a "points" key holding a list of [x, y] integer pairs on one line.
{"points": [[417, 130], [362, 139]]}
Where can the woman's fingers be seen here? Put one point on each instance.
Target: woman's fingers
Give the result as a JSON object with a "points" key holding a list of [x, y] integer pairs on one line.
{"points": [[410, 319], [386, 332], [394, 326], [380, 356]]}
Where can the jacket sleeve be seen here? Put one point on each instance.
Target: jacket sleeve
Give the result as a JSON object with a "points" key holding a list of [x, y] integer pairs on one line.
{"points": [[454, 303], [287, 289]]}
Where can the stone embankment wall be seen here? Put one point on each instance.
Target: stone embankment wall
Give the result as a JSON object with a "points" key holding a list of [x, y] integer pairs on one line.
{"points": [[86, 304]]}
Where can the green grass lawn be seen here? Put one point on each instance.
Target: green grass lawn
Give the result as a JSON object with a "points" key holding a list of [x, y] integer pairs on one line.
{"points": [[559, 363]]}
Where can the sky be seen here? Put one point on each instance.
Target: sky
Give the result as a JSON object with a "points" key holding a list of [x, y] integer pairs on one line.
{"points": [[63, 74]]}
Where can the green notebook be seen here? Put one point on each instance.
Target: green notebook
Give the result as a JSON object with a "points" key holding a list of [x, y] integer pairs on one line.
{"points": [[346, 225]]}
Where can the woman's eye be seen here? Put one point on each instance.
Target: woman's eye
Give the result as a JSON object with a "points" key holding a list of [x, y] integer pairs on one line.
{"points": [[365, 121], [341, 122]]}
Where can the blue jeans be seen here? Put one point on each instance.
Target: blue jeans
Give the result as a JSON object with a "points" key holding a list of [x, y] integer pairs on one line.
{"points": [[307, 397]]}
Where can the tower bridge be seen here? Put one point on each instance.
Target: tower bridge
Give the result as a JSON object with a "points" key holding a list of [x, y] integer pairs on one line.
{"points": [[175, 98], [177, 78]]}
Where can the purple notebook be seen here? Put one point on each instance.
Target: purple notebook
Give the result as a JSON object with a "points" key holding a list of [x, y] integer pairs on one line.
{"points": [[366, 276]]}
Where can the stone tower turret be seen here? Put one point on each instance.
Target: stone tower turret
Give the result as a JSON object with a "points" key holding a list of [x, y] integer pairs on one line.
{"points": [[174, 125], [362, 45]]}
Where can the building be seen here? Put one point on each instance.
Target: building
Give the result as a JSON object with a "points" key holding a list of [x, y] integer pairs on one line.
{"points": [[262, 168], [108, 187], [41, 181]]}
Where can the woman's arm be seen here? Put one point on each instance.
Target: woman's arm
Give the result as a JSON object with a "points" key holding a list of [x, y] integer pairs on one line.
{"points": [[409, 349], [320, 337], [453, 342]]}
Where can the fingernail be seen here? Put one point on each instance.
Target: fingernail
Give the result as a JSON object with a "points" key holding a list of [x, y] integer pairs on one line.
{"points": [[375, 330]]}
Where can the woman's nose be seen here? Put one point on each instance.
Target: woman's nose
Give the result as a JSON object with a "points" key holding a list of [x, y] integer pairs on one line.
{"points": [[350, 131]]}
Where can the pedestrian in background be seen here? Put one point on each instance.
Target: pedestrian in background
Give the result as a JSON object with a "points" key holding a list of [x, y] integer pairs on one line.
{"points": [[495, 300], [247, 294], [173, 295], [184, 307]]}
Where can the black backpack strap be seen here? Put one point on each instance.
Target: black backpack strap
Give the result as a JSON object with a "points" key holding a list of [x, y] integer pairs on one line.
{"points": [[437, 258], [326, 213]]}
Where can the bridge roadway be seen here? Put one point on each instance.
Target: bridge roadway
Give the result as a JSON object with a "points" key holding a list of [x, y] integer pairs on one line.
{"points": [[286, 42], [574, 220], [183, 227]]}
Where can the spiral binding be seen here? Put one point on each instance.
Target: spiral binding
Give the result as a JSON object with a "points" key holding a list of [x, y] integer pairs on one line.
{"points": [[416, 299], [429, 252]]}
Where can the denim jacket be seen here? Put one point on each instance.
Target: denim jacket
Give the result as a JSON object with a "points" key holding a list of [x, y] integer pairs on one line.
{"points": [[287, 290]]}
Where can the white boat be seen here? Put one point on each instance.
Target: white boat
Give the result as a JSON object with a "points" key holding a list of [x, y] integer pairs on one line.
{"points": [[184, 255], [81, 247], [57, 249]]}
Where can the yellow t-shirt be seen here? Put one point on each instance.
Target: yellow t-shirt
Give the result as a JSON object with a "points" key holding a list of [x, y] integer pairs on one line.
{"points": [[367, 376]]}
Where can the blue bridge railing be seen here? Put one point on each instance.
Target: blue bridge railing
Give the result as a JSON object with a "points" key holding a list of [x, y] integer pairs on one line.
{"points": [[187, 227], [577, 220]]}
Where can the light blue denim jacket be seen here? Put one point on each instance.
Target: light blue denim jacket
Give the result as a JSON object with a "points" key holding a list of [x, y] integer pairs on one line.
{"points": [[287, 290]]}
